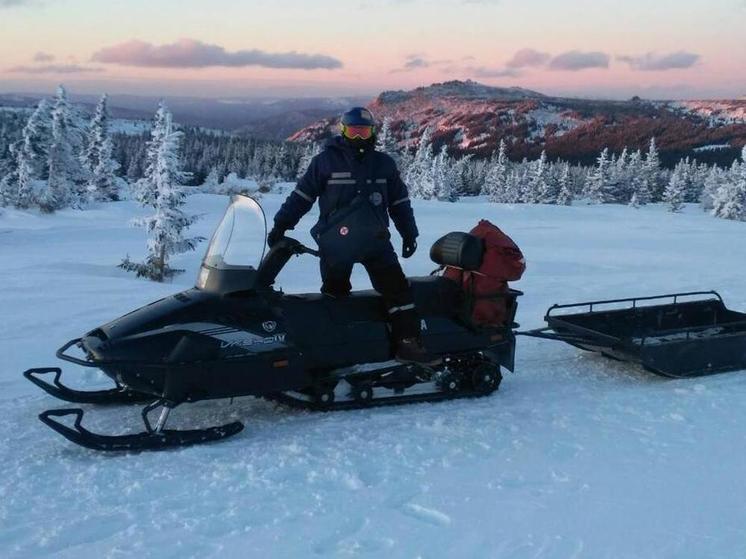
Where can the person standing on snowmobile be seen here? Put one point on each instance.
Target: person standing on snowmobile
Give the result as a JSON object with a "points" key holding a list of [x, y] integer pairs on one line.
{"points": [[358, 189]]}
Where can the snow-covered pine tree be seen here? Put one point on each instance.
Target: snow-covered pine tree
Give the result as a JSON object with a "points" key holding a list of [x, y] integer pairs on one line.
{"points": [[652, 172], [565, 195], [541, 189], [638, 192], [144, 189], [97, 157], [310, 150], [457, 176], [729, 201], [443, 188], [419, 173], [598, 181], [513, 188], [167, 225], [619, 181], [386, 142], [66, 181], [496, 177], [675, 192], [712, 183], [211, 182]]}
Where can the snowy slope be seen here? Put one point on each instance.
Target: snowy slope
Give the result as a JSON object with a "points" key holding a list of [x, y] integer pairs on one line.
{"points": [[575, 456]]}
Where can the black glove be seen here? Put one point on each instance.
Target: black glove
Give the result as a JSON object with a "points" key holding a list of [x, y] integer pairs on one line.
{"points": [[275, 235], [408, 247]]}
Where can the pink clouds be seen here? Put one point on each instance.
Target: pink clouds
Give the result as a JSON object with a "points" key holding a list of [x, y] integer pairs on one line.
{"points": [[191, 53]]}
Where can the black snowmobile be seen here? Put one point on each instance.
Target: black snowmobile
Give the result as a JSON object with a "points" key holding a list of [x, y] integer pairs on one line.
{"points": [[233, 334]]}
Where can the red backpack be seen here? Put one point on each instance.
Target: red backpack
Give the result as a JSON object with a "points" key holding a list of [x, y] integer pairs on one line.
{"points": [[502, 262]]}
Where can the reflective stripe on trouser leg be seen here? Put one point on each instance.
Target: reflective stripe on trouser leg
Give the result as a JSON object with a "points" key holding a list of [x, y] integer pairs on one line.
{"points": [[409, 307]]}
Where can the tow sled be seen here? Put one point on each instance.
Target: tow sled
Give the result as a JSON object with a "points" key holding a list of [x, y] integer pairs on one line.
{"points": [[679, 335], [234, 335]]}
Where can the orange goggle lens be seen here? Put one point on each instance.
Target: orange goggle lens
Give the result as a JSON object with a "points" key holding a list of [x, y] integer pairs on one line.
{"points": [[353, 131]]}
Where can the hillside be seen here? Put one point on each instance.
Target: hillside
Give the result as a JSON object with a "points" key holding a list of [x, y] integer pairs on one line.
{"points": [[471, 118]]}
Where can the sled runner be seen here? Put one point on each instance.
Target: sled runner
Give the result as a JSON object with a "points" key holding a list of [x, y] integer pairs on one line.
{"points": [[678, 335]]}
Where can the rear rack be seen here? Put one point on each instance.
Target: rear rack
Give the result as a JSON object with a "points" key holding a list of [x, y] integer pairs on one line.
{"points": [[633, 300]]}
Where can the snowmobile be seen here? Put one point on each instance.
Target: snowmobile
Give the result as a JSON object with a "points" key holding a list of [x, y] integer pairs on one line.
{"points": [[234, 334]]}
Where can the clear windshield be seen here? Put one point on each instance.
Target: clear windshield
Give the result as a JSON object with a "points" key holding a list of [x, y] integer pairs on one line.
{"points": [[239, 240]]}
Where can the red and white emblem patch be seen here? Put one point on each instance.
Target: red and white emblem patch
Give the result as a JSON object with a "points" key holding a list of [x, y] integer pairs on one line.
{"points": [[343, 230]]}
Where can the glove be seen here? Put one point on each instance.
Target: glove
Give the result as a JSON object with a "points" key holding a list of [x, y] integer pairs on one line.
{"points": [[408, 247], [275, 235]]}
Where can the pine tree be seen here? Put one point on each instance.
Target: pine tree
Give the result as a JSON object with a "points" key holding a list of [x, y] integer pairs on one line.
{"points": [[65, 185], [729, 201], [386, 142], [167, 225], [565, 195], [144, 189], [443, 188], [513, 188], [541, 189], [652, 172], [31, 154], [419, 174], [598, 180], [675, 193], [496, 177], [310, 150], [97, 157], [638, 185], [711, 185]]}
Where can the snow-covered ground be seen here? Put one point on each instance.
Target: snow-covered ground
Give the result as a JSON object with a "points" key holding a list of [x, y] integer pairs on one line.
{"points": [[575, 456]]}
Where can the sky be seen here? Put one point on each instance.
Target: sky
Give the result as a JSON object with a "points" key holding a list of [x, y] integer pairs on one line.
{"points": [[666, 49]]}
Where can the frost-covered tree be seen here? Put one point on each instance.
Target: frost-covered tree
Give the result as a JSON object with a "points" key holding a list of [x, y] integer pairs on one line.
{"points": [[651, 171], [145, 190], [30, 156], [638, 185], [729, 201], [419, 174], [386, 142], [712, 182], [97, 157], [598, 181], [497, 174], [67, 178], [443, 186], [675, 192], [541, 188], [565, 195], [166, 227], [310, 150]]}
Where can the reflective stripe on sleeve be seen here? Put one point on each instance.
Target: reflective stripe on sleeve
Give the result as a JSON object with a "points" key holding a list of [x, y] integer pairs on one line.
{"points": [[401, 201], [346, 175], [303, 195], [408, 307]]}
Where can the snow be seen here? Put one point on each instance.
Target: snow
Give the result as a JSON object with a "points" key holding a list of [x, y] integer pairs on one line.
{"points": [[575, 456]]}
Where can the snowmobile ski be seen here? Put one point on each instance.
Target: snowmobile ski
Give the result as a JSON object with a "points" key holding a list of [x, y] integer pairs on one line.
{"points": [[154, 438], [118, 395]]}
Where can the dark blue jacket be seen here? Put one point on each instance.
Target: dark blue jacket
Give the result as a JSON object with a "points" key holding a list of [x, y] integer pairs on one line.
{"points": [[337, 175]]}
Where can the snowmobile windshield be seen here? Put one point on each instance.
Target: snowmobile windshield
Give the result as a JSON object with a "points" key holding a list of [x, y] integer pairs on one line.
{"points": [[239, 240]]}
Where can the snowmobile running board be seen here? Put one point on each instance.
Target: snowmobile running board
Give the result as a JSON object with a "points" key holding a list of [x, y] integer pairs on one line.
{"points": [[118, 395], [153, 439], [670, 337]]}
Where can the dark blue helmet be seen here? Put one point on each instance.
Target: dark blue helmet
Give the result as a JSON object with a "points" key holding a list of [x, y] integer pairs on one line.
{"points": [[358, 116]]}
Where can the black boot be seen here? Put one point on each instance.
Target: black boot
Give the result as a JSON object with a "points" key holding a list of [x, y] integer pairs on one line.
{"points": [[411, 350]]}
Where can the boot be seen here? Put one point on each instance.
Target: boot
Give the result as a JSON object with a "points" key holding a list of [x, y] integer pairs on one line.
{"points": [[411, 350]]}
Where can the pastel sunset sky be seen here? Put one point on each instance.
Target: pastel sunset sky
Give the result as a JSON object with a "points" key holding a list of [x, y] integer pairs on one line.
{"points": [[226, 48]]}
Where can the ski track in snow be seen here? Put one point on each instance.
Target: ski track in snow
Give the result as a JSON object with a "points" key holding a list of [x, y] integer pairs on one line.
{"points": [[575, 456]]}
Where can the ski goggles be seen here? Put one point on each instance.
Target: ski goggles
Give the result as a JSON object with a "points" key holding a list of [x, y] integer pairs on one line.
{"points": [[352, 131]]}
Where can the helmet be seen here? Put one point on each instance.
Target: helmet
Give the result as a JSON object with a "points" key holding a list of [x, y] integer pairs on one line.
{"points": [[358, 116], [358, 128]]}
